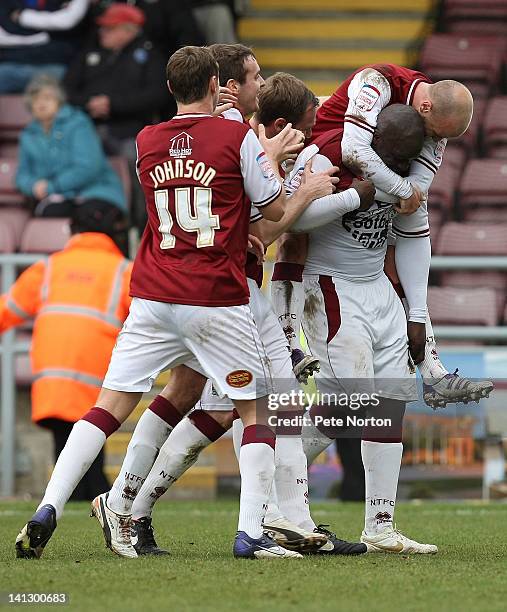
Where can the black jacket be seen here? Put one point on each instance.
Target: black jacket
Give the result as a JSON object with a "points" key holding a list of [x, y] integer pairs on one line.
{"points": [[134, 79]]}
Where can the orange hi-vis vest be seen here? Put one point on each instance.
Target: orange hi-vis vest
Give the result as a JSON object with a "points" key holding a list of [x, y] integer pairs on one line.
{"points": [[80, 299]]}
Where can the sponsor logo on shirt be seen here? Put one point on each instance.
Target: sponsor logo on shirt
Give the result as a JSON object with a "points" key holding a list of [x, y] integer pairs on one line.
{"points": [[367, 97], [181, 145], [370, 228], [265, 166], [239, 378]]}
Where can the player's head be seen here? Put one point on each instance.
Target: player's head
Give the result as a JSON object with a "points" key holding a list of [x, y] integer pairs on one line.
{"points": [[240, 72], [447, 109], [286, 99], [399, 136], [192, 75], [103, 219]]}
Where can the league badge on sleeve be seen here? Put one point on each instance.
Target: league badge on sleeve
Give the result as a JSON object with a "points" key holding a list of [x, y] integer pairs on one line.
{"points": [[265, 166], [366, 98]]}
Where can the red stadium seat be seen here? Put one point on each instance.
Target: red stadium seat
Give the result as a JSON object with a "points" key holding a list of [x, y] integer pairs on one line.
{"points": [[8, 192], [484, 183], [9, 149], [495, 128], [477, 27], [489, 279], [454, 156], [451, 306], [484, 214], [443, 188], [15, 219], [471, 9], [474, 60], [121, 167], [45, 235], [14, 116], [472, 239], [7, 241]]}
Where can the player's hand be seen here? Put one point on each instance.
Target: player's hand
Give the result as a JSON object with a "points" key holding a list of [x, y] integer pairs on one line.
{"points": [[256, 247], [416, 340], [318, 184], [40, 189], [285, 145], [411, 204], [226, 101], [99, 107], [366, 191]]}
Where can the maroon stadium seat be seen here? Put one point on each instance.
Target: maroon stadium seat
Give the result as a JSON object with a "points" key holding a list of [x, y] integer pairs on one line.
{"points": [[450, 306], [14, 116], [121, 167], [45, 235], [495, 128], [484, 183], [9, 149], [472, 239], [472, 9], [443, 188], [485, 214], [454, 156], [8, 192], [477, 27], [7, 241], [15, 219], [474, 60], [490, 279]]}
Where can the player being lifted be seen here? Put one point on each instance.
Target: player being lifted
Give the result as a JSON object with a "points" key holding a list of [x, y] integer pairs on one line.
{"points": [[189, 287], [446, 108]]}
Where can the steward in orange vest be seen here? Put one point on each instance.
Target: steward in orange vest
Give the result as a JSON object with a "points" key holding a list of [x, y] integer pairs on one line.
{"points": [[79, 298]]}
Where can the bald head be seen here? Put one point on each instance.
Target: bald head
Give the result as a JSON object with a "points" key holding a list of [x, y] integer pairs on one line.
{"points": [[446, 107]]}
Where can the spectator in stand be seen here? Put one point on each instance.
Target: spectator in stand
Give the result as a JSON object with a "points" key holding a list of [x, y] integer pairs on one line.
{"points": [[37, 36], [120, 80], [215, 19], [61, 161], [79, 299], [169, 25]]}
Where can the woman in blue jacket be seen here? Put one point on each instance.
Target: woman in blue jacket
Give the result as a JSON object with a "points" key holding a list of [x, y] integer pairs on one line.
{"points": [[61, 161]]}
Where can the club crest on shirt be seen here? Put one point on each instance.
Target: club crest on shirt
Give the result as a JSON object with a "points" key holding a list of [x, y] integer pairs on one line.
{"points": [[438, 152], [265, 166], [366, 98], [181, 145], [239, 378]]}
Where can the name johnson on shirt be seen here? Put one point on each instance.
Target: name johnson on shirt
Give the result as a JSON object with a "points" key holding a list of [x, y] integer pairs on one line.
{"points": [[179, 168]]}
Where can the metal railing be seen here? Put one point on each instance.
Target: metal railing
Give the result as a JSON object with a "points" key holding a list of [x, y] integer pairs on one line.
{"points": [[10, 347]]}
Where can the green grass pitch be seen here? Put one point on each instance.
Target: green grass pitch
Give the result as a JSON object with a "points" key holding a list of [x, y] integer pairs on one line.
{"points": [[469, 573]]}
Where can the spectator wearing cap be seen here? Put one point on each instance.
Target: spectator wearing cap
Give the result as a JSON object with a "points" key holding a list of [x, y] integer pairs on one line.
{"points": [[37, 36], [78, 298], [61, 160], [120, 80]]}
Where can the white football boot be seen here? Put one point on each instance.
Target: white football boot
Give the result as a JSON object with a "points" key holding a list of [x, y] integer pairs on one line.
{"points": [[115, 527], [453, 388], [392, 541], [290, 536]]}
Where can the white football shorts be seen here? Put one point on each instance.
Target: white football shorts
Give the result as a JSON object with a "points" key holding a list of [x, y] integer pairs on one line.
{"points": [[358, 332], [221, 343], [275, 345]]}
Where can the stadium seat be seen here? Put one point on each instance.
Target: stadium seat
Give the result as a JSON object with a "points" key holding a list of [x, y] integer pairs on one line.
{"points": [[7, 241], [489, 279], [472, 239], [121, 167], [471, 9], [45, 235], [443, 188], [484, 214], [495, 128], [451, 306], [15, 219], [469, 140], [454, 156], [9, 149], [484, 183], [14, 116], [8, 192], [473, 60]]}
